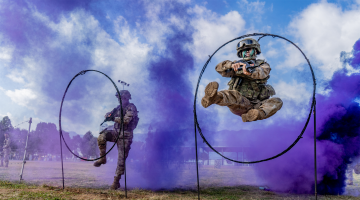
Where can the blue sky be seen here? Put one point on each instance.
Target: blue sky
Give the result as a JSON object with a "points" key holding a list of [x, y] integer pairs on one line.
{"points": [[43, 45]]}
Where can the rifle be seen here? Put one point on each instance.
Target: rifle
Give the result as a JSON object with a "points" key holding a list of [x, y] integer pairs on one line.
{"points": [[248, 64], [250, 67], [109, 117]]}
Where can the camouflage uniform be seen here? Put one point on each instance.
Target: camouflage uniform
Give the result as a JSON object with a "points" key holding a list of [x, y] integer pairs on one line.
{"points": [[351, 168], [130, 122], [251, 93], [6, 152], [1, 158], [248, 95], [349, 174]]}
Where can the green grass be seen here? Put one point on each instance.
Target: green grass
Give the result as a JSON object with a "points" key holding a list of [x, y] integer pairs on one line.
{"points": [[13, 190], [83, 181]]}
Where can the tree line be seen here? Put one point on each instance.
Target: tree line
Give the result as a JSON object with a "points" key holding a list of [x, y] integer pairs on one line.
{"points": [[45, 139]]}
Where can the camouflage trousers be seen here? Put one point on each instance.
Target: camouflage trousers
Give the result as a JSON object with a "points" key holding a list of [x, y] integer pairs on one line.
{"points": [[5, 156], [110, 136], [1, 158], [239, 104]]}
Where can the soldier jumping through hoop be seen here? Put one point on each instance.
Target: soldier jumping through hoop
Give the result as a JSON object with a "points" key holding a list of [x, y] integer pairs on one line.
{"points": [[248, 95]]}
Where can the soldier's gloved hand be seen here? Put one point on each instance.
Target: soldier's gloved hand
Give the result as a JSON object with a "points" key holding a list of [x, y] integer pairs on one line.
{"points": [[244, 70], [237, 66]]}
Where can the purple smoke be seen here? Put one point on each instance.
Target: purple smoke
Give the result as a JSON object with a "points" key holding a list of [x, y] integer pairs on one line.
{"points": [[169, 83], [337, 141], [172, 93]]}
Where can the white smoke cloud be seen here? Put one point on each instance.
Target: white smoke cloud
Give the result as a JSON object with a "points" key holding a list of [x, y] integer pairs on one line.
{"points": [[6, 53], [324, 30], [22, 96], [212, 30], [124, 61]]}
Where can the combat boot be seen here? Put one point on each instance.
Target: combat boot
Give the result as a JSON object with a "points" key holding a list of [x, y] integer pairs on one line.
{"points": [[253, 115], [116, 183], [211, 95]]}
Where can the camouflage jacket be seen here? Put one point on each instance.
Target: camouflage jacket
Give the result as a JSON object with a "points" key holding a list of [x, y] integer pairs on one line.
{"points": [[253, 86], [6, 143], [131, 118]]}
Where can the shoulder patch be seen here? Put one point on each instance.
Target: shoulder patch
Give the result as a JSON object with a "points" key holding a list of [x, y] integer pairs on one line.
{"points": [[259, 62]]}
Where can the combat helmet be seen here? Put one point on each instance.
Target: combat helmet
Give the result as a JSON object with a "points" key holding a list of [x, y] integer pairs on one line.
{"points": [[246, 44], [124, 93]]}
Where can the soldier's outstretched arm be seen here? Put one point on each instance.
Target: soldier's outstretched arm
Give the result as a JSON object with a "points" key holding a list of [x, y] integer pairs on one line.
{"points": [[261, 72], [224, 68]]}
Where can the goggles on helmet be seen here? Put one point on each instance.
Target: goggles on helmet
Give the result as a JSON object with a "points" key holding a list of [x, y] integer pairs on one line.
{"points": [[245, 42]]}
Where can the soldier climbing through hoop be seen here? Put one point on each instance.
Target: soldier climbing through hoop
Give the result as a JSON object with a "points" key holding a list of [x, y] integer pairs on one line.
{"points": [[130, 122], [248, 95]]}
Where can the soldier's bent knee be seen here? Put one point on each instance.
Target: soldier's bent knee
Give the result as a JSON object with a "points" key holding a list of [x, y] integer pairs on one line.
{"points": [[101, 140], [277, 101]]}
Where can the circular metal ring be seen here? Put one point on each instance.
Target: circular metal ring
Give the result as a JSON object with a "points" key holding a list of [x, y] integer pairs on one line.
{"points": [[307, 121], [121, 125]]}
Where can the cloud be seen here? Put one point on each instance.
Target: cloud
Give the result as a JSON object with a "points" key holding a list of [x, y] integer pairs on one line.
{"points": [[73, 42], [295, 92], [5, 53], [22, 96], [159, 22], [7, 114], [296, 97], [213, 30], [125, 60], [324, 30], [293, 57], [252, 7], [16, 78]]}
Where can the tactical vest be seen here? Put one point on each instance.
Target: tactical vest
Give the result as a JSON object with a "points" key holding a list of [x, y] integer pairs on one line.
{"points": [[250, 88], [131, 125]]}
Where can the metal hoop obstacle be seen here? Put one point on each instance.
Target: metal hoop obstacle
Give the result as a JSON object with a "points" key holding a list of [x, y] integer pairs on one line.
{"points": [[121, 125], [312, 109]]}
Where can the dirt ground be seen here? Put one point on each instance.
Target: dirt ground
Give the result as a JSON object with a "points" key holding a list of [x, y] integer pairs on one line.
{"points": [[43, 180]]}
